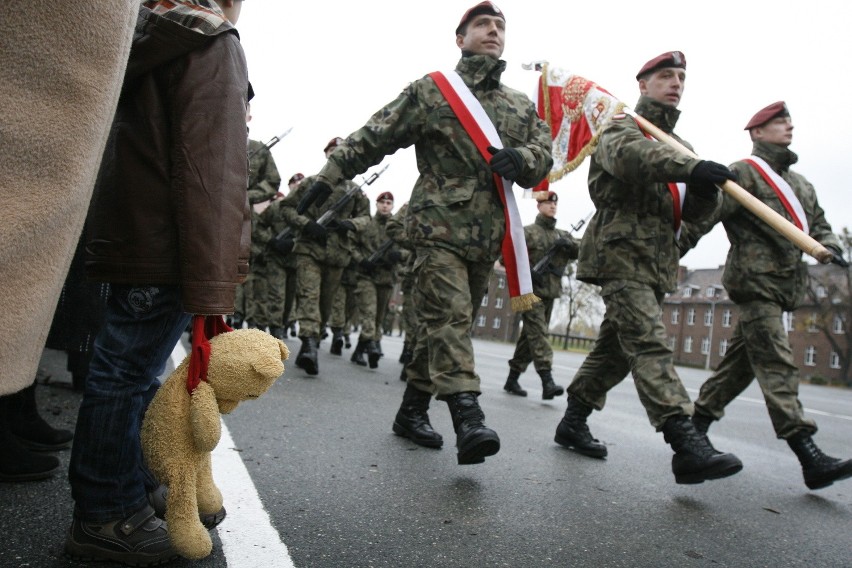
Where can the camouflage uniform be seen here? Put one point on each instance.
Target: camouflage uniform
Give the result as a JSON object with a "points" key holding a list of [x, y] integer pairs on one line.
{"points": [[374, 288], [269, 280], [764, 275], [319, 267], [533, 344], [408, 318], [263, 183], [630, 249], [455, 215]]}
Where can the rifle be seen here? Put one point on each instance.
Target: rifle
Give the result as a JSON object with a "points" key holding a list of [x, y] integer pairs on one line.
{"points": [[380, 252], [272, 142], [280, 241], [544, 265]]}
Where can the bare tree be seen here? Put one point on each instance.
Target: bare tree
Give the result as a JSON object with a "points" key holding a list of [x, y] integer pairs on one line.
{"points": [[829, 294], [580, 303]]}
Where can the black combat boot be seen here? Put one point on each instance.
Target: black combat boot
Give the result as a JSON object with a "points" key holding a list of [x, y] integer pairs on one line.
{"points": [[819, 469], [407, 353], [237, 320], [695, 459], [277, 332], [512, 386], [549, 389], [701, 421], [412, 420], [573, 432], [346, 343], [18, 463], [474, 440], [336, 341], [30, 428], [358, 354], [307, 358], [374, 353]]}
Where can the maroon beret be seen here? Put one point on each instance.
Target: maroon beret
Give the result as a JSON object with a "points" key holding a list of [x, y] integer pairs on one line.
{"points": [[295, 178], [481, 8], [667, 59], [766, 114], [385, 195], [551, 196], [333, 143]]}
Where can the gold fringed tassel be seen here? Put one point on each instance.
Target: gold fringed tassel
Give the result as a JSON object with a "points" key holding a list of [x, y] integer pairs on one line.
{"points": [[524, 302]]}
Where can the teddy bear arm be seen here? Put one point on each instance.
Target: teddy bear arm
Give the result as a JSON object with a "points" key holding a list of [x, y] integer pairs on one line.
{"points": [[204, 418]]}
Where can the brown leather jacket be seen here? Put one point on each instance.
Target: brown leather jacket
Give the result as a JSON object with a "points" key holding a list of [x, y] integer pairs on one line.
{"points": [[170, 206]]}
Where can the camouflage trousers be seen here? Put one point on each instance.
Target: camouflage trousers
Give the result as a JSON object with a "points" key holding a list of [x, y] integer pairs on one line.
{"points": [[289, 295], [759, 348], [448, 288], [240, 298], [372, 305], [345, 312], [632, 338], [533, 345], [316, 286], [408, 321], [268, 294]]}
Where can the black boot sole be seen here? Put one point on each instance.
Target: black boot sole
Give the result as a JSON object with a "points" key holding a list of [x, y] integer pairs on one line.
{"points": [[589, 452], [516, 393], [819, 482], [476, 451], [307, 365], [30, 475], [718, 471], [550, 395], [374, 360], [403, 432], [336, 347]]}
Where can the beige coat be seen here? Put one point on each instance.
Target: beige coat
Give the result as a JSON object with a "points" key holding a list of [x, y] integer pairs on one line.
{"points": [[61, 68]]}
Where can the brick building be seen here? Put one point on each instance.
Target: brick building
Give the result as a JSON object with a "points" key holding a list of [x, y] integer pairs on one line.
{"points": [[700, 320]]}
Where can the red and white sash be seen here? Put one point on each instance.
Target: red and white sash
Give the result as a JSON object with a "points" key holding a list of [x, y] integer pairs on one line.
{"points": [[678, 191], [783, 190], [483, 133]]}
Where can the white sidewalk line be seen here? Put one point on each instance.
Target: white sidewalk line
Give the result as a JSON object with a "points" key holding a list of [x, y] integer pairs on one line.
{"points": [[248, 538]]}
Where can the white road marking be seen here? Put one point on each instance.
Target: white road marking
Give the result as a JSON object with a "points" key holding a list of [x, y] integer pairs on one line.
{"points": [[248, 538]]}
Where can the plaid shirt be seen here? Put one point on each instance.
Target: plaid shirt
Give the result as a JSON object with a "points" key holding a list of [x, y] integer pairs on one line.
{"points": [[202, 16]]}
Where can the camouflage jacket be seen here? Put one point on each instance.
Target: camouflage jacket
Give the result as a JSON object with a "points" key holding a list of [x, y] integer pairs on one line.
{"points": [[270, 222], [454, 203], [540, 236], [366, 243], [338, 248], [762, 264], [631, 235], [396, 230], [264, 179]]}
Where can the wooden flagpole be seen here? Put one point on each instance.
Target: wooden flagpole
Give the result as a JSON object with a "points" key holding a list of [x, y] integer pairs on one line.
{"points": [[787, 229]]}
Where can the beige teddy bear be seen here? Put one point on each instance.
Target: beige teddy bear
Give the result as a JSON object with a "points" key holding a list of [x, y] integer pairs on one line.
{"points": [[180, 430]]}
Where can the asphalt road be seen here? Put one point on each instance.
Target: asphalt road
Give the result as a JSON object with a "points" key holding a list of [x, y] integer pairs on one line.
{"points": [[341, 490]]}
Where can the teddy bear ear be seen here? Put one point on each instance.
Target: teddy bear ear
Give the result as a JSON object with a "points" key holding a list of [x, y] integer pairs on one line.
{"points": [[268, 366]]}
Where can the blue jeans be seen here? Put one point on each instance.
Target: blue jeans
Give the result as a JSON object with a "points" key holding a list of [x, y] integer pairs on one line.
{"points": [[142, 326]]}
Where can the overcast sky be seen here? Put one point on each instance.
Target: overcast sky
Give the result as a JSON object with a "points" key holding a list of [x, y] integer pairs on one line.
{"points": [[323, 68]]}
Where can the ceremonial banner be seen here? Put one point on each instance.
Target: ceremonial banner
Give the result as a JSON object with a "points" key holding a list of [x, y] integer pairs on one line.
{"points": [[576, 110]]}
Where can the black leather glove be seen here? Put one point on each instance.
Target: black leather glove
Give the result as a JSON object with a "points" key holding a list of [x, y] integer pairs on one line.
{"points": [[282, 246], [316, 195], [393, 256], [366, 266], [564, 243], [315, 231], [340, 226], [708, 173], [537, 279], [507, 163], [837, 256]]}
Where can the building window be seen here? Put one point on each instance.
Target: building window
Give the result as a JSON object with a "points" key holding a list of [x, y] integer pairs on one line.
{"points": [[838, 325], [676, 315], [789, 321], [705, 345], [480, 321], [671, 342], [821, 292], [834, 360], [501, 282], [498, 303], [690, 316], [710, 292], [812, 323], [687, 345], [496, 323], [687, 292], [723, 347], [708, 317], [810, 356], [726, 318], [484, 300]]}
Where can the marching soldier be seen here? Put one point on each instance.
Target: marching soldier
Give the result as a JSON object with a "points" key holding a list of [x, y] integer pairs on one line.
{"points": [[765, 276]]}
